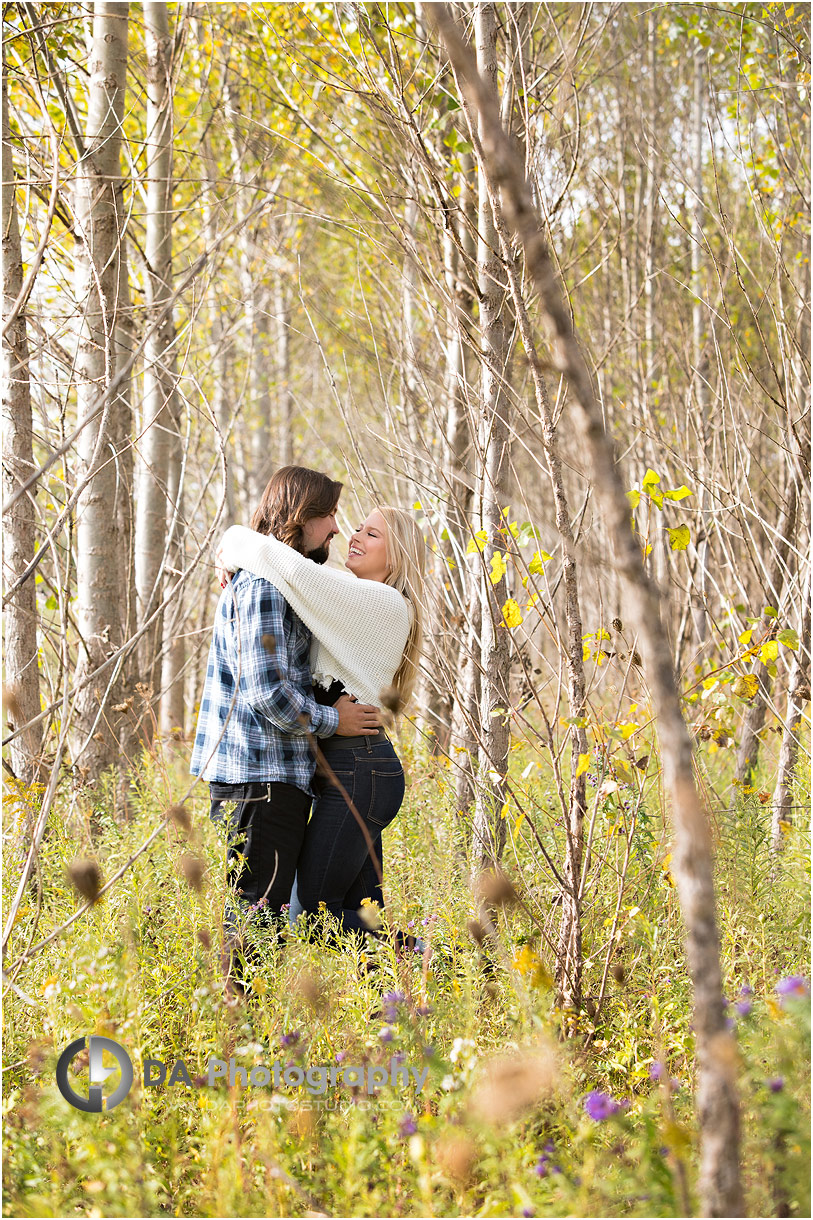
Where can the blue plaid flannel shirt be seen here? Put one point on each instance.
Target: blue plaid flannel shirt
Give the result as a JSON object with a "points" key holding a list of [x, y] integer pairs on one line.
{"points": [[258, 684]]}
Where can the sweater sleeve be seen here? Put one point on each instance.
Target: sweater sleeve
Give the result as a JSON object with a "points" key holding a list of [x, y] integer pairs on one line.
{"points": [[338, 608]]}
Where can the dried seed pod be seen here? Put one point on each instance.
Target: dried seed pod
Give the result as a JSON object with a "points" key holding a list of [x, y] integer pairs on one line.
{"points": [[181, 816], [513, 1083], [476, 931], [391, 699], [494, 887], [193, 869], [617, 625], [85, 876], [456, 1154]]}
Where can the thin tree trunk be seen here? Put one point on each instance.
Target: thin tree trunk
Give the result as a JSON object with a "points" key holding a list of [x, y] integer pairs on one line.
{"points": [[720, 1186], [489, 825], [700, 364], [754, 720], [173, 652], [99, 222], [20, 622], [159, 357], [282, 346], [798, 696]]}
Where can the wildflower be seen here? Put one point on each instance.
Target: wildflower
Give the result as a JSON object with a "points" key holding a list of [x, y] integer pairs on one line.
{"points": [[340, 1056], [411, 923], [776, 1084], [407, 1126], [600, 1106], [793, 986], [290, 1039], [528, 1211], [386, 1034], [424, 1010], [743, 1007], [542, 1167], [655, 1070], [746, 991], [390, 1002]]}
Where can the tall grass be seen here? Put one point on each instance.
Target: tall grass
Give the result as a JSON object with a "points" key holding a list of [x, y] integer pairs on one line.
{"points": [[503, 1124]]}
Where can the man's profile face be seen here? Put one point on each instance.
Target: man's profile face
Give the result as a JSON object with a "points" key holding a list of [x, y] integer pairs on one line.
{"points": [[317, 535]]}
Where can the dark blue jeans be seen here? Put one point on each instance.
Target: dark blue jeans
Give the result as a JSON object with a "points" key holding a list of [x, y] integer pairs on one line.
{"points": [[334, 866], [264, 825]]}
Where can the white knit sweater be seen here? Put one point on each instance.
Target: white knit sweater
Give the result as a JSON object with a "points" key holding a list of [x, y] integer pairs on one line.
{"points": [[359, 627]]}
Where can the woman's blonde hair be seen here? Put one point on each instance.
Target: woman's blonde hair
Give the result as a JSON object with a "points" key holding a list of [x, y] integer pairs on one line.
{"points": [[406, 555]]}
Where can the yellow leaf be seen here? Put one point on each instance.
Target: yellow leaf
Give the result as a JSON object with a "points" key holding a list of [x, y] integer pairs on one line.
{"points": [[746, 686], [506, 809], [769, 652], [519, 822], [679, 537], [582, 765], [745, 638], [478, 542], [511, 613], [539, 558], [498, 567]]}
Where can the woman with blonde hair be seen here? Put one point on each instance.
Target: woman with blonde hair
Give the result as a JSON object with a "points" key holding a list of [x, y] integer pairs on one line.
{"points": [[367, 628]]}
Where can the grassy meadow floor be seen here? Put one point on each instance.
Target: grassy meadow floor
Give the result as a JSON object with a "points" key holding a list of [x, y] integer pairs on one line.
{"points": [[511, 1118]]}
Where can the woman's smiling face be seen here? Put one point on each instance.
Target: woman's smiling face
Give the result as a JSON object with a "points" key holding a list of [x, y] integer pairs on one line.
{"points": [[367, 554]]}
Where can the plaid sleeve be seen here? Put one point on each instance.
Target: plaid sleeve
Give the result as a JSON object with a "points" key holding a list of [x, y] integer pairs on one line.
{"points": [[262, 648]]}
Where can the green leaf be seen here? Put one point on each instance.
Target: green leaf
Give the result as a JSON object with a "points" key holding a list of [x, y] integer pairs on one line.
{"points": [[788, 637], [679, 537], [769, 612]]}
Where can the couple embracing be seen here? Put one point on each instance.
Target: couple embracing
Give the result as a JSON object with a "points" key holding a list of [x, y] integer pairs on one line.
{"points": [[302, 656]]}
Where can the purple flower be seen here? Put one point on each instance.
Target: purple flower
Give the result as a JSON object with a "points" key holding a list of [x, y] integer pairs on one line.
{"points": [[743, 1007], [746, 991], [776, 1084], [549, 1146], [341, 1056], [655, 1070], [407, 1126], [794, 985], [386, 1034], [542, 1167], [290, 1039], [600, 1106], [528, 1211], [424, 1010]]}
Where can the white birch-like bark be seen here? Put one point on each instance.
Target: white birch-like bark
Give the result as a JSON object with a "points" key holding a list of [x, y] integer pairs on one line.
{"points": [[159, 352], [798, 697], [20, 619], [100, 607], [699, 389], [717, 1101], [493, 440]]}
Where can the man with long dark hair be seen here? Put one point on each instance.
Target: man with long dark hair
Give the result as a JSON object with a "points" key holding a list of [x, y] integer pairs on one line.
{"points": [[258, 715]]}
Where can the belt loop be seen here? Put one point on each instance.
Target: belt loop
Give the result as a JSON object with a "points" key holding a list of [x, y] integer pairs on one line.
{"points": [[368, 743]]}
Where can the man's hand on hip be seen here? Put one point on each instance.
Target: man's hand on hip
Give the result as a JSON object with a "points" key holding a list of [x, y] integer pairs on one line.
{"points": [[356, 719]]}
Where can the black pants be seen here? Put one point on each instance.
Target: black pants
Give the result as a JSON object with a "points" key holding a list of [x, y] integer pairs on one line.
{"points": [[265, 825]]}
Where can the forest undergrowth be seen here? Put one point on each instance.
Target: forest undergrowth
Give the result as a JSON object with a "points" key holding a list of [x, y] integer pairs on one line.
{"points": [[524, 1110]]}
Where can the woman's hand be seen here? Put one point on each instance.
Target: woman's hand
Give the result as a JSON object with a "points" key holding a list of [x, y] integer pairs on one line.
{"points": [[224, 575]]}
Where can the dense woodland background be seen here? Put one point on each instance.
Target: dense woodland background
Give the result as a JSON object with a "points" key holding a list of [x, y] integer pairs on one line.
{"points": [[237, 236]]}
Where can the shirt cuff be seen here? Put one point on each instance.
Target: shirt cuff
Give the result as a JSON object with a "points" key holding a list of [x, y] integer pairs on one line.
{"points": [[325, 721]]}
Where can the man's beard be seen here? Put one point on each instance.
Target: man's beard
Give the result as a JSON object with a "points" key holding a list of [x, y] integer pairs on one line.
{"points": [[320, 555]]}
